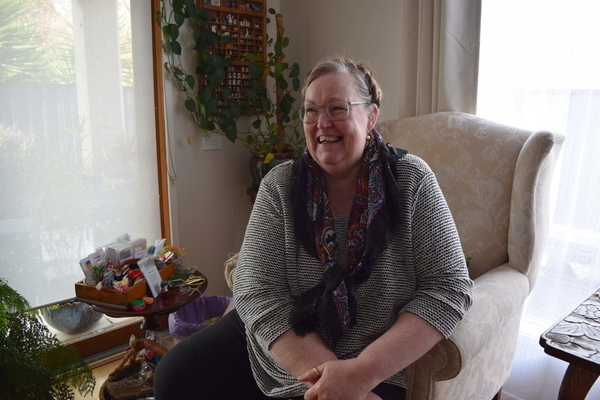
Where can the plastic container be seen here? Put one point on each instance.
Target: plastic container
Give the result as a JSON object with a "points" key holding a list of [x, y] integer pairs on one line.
{"points": [[195, 316]]}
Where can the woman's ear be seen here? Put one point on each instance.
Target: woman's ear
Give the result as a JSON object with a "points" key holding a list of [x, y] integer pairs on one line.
{"points": [[373, 116]]}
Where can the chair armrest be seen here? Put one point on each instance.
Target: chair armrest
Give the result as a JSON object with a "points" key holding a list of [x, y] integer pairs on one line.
{"points": [[497, 296]]}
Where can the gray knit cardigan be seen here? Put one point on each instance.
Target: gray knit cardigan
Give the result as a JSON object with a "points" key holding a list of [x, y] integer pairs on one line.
{"points": [[422, 271]]}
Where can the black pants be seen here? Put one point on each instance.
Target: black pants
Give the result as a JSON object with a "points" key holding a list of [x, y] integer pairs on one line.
{"points": [[213, 364]]}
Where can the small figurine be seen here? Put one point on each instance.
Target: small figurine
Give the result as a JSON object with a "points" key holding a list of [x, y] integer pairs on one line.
{"points": [[247, 35], [254, 8], [213, 28], [232, 4], [229, 18]]}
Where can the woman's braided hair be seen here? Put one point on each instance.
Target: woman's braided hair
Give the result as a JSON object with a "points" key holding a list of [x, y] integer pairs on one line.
{"points": [[366, 85]]}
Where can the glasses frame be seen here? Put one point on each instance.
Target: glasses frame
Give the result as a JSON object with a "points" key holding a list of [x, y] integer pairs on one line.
{"points": [[302, 113]]}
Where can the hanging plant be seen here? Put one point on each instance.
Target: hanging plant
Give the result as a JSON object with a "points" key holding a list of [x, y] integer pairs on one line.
{"points": [[208, 99]]}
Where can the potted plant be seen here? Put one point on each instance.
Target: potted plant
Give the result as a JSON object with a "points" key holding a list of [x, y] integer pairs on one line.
{"points": [[268, 103], [34, 364]]}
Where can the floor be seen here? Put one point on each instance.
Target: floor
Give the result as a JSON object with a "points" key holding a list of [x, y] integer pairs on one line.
{"points": [[100, 373], [102, 368]]}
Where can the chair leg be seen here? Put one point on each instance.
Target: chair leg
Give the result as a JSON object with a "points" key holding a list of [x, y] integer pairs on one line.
{"points": [[498, 395]]}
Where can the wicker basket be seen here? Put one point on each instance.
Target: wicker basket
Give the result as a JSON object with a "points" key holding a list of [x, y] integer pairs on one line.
{"points": [[125, 378]]}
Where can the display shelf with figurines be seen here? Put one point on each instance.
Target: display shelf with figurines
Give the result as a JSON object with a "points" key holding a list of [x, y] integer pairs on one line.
{"points": [[244, 22]]}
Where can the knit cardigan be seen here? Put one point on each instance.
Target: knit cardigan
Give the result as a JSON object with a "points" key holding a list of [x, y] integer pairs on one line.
{"points": [[422, 271]]}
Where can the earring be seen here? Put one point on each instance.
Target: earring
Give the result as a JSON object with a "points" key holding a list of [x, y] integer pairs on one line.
{"points": [[368, 137]]}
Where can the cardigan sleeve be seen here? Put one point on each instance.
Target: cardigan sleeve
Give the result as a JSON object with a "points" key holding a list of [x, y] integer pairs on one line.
{"points": [[261, 292], [443, 293]]}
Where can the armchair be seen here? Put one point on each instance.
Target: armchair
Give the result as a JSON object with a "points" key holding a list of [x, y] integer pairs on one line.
{"points": [[496, 181]]}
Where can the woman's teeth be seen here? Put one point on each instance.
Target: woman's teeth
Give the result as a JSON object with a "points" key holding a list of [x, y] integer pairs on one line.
{"points": [[329, 139]]}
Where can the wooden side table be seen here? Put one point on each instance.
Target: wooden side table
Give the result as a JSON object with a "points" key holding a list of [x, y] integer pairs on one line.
{"points": [[166, 303], [576, 340]]}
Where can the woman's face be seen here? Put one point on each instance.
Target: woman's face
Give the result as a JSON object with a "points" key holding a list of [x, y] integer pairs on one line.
{"points": [[337, 146]]}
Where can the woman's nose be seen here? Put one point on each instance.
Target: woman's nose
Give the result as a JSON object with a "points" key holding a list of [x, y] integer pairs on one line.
{"points": [[323, 121]]}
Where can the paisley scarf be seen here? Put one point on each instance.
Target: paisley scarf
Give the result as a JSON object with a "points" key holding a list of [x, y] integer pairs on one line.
{"points": [[373, 218]]}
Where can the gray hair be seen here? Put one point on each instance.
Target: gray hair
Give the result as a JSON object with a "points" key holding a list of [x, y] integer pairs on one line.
{"points": [[366, 85]]}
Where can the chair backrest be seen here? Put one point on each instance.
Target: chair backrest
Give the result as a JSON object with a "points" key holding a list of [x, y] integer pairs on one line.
{"points": [[495, 179]]}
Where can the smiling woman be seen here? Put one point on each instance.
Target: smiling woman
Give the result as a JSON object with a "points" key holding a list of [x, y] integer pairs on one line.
{"points": [[77, 137]]}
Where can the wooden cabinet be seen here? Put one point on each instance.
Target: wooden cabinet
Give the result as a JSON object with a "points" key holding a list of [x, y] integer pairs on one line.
{"points": [[244, 21]]}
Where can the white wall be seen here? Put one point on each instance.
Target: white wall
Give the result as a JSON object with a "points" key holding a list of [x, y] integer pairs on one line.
{"points": [[365, 31], [209, 204]]}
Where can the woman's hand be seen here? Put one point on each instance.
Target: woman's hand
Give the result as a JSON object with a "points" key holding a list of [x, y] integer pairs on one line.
{"points": [[338, 380]]}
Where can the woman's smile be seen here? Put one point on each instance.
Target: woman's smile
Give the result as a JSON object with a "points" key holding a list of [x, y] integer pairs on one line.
{"points": [[328, 139]]}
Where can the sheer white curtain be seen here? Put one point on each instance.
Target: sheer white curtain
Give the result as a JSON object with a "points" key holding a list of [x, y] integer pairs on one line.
{"points": [[78, 160], [539, 69], [440, 51]]}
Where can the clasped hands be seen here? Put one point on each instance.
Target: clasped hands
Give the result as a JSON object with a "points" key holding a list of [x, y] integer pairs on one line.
{"points": [[338, 380]]}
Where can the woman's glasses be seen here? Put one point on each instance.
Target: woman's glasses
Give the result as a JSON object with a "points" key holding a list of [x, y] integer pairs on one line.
{"points": [[336, 111]]}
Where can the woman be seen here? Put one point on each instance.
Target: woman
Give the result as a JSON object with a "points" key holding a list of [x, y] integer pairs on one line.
{"points": [[351, 267]]}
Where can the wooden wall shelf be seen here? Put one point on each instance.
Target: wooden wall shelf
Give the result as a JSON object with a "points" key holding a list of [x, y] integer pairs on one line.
{"points": [[247, 28]]}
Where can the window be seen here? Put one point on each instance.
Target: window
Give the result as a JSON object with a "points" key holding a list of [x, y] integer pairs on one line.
{"points": [[78, 156], [539, 70]]}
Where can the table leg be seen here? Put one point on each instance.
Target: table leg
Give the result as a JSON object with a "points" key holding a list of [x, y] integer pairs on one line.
{"points": [[150, 325], [576, 383]]}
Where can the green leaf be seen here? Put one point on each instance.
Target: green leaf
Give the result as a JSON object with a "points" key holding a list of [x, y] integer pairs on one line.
{"points": [[296, 84], [177, 5], [206, 93], [191, 8], [266, 104], [226, 39], [236, 110], [256, 124], [272, 11], [251, 95], [179, 18], [190, 105], [191, 81], [278, 50], [265, 148], [217, 77], [275, 139], [176, 48], [295, 72], [285, 107], [255, 71], [286, 41], [288, 97], [282, 83], [228, 126], [173, 31], [279, 68], [226, 92], [211, 107], [226, 111]]}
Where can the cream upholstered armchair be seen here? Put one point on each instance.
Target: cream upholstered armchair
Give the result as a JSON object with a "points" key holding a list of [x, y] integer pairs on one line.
{"points": [[496, 181]]}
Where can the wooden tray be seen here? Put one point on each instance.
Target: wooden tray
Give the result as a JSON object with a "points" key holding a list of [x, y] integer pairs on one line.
{"points": [[112, 296]]}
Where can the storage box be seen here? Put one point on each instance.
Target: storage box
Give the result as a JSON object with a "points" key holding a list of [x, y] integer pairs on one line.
{"points": [[112, 296]]}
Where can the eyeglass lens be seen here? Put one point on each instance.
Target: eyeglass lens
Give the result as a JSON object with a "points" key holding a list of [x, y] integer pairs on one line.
{"points": [[336, 111]]}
